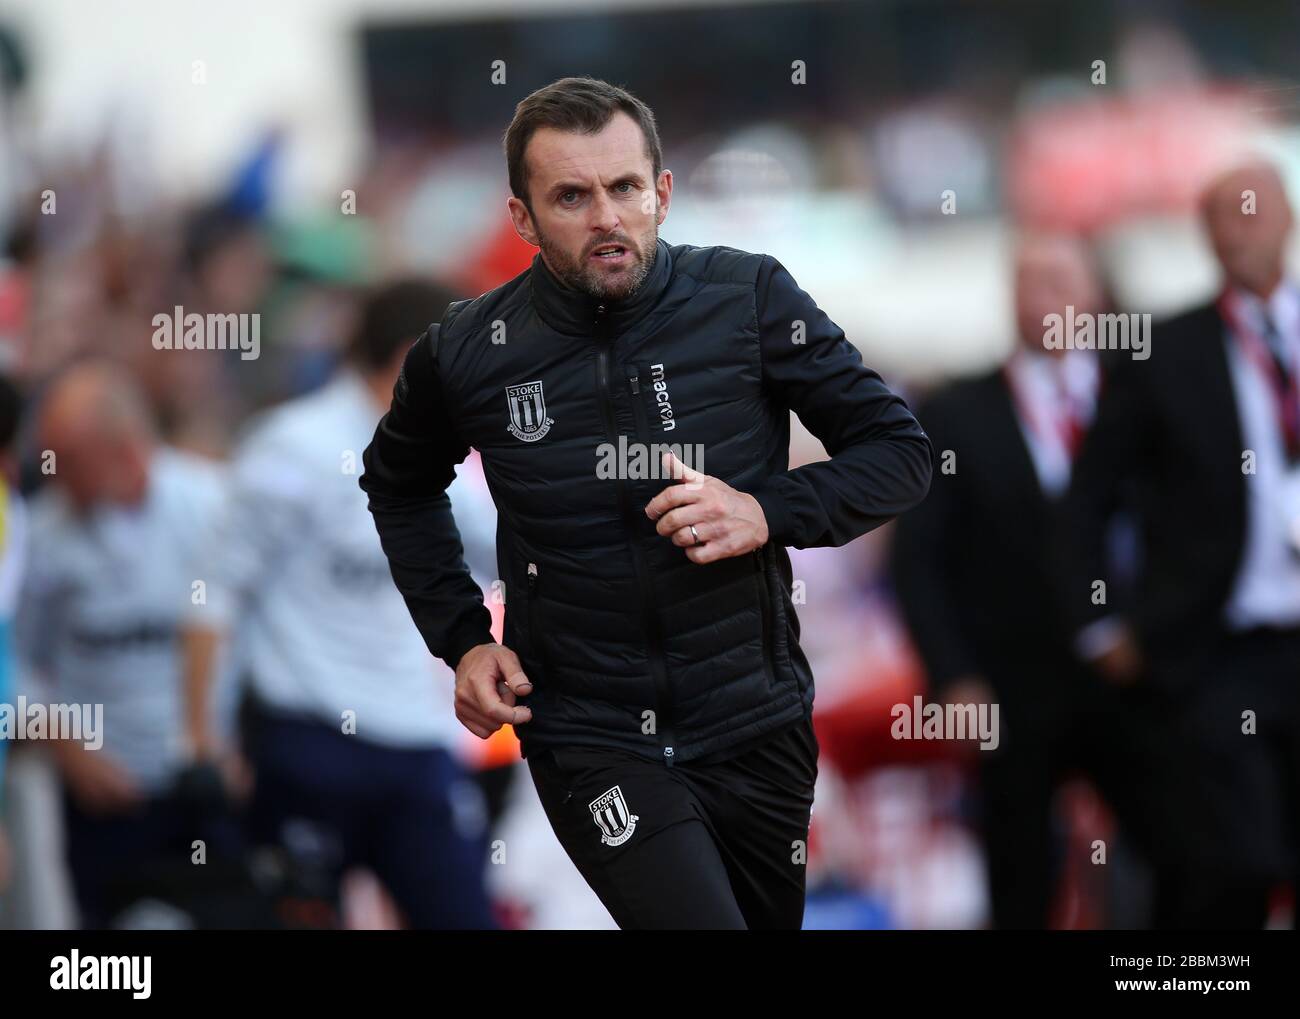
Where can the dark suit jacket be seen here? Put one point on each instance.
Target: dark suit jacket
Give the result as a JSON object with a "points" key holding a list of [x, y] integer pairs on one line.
{"points": [[970, 565], [1166, 446]]}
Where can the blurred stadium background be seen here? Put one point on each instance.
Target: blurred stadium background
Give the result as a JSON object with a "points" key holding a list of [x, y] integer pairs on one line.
{"points": [[281, 158]]}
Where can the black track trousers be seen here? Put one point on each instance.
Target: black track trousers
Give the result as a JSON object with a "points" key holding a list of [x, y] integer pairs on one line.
{"points": [[708, 844]]}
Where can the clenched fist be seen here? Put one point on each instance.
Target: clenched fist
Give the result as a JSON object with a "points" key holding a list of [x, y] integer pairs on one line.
{"points": [[488, 678]]}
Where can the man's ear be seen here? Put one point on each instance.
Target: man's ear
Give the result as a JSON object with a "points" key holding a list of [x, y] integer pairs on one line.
{"points": [[664, 191], [522, 220]]}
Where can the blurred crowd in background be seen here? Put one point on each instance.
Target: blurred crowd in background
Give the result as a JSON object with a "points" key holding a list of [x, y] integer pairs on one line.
{"points": [[898, 184]]}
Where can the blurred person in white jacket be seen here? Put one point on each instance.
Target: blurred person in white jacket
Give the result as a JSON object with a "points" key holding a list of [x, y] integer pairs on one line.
{"points": [[349, 727]]}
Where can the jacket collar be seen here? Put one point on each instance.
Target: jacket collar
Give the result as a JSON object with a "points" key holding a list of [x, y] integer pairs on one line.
{"points": [[573, 312]]}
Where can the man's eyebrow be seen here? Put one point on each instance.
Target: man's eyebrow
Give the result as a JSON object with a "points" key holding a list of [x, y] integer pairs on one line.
{"points": [[565, 185], [570, 185]]}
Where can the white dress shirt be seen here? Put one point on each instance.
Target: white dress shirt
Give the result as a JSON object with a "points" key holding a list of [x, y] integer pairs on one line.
{"points": [[1266, 591], [1049, 391]]}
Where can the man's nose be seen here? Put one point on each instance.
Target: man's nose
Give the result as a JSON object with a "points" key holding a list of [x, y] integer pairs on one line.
{"points": [[604, 214]]}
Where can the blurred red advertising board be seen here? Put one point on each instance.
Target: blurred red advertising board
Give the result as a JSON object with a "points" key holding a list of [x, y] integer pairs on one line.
{"points": [[1085, 166]]}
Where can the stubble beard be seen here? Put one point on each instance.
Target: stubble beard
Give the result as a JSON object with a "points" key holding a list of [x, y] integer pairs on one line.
{"points": [[579, 274]]}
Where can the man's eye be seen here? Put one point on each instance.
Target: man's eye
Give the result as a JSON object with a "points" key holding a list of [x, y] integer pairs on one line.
{"points": [[568, 197], [626, 187]]}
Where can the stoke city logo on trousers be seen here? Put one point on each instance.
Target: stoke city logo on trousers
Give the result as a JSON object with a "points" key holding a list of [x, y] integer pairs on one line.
{"points": [[609, 811], [528, 420]]}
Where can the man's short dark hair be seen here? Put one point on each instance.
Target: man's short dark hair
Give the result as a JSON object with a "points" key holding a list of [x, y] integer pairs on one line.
{"points": [[393, 317], [580, 106]]}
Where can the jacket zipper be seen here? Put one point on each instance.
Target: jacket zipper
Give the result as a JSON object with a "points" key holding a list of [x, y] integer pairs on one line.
{"points": [[659, 673], [765, 596], [638, 408]]}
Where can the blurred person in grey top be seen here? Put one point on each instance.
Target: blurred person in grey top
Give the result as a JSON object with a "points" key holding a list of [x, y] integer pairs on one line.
{"points": [[352, 733], [112, 544]]}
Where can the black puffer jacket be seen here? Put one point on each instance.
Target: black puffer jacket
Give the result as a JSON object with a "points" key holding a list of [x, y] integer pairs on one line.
{"points": [[627, 642]]}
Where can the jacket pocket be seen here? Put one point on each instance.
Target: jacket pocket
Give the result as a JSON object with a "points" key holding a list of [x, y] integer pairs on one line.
{"points": [[536, 634]]}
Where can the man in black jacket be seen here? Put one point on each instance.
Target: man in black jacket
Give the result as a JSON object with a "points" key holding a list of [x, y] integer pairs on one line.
{"points": [[1201, 444], [651, 657]]}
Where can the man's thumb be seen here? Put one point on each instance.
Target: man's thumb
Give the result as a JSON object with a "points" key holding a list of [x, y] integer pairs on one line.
{"points": [[678, 471]]}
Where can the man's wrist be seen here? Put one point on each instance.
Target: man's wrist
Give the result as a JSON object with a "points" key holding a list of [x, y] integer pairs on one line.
{"points": [[466, 641]]}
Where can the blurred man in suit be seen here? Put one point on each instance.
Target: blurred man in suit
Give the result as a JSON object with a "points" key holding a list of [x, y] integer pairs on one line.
{"points": [[1201, 443], [974, 575]]}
